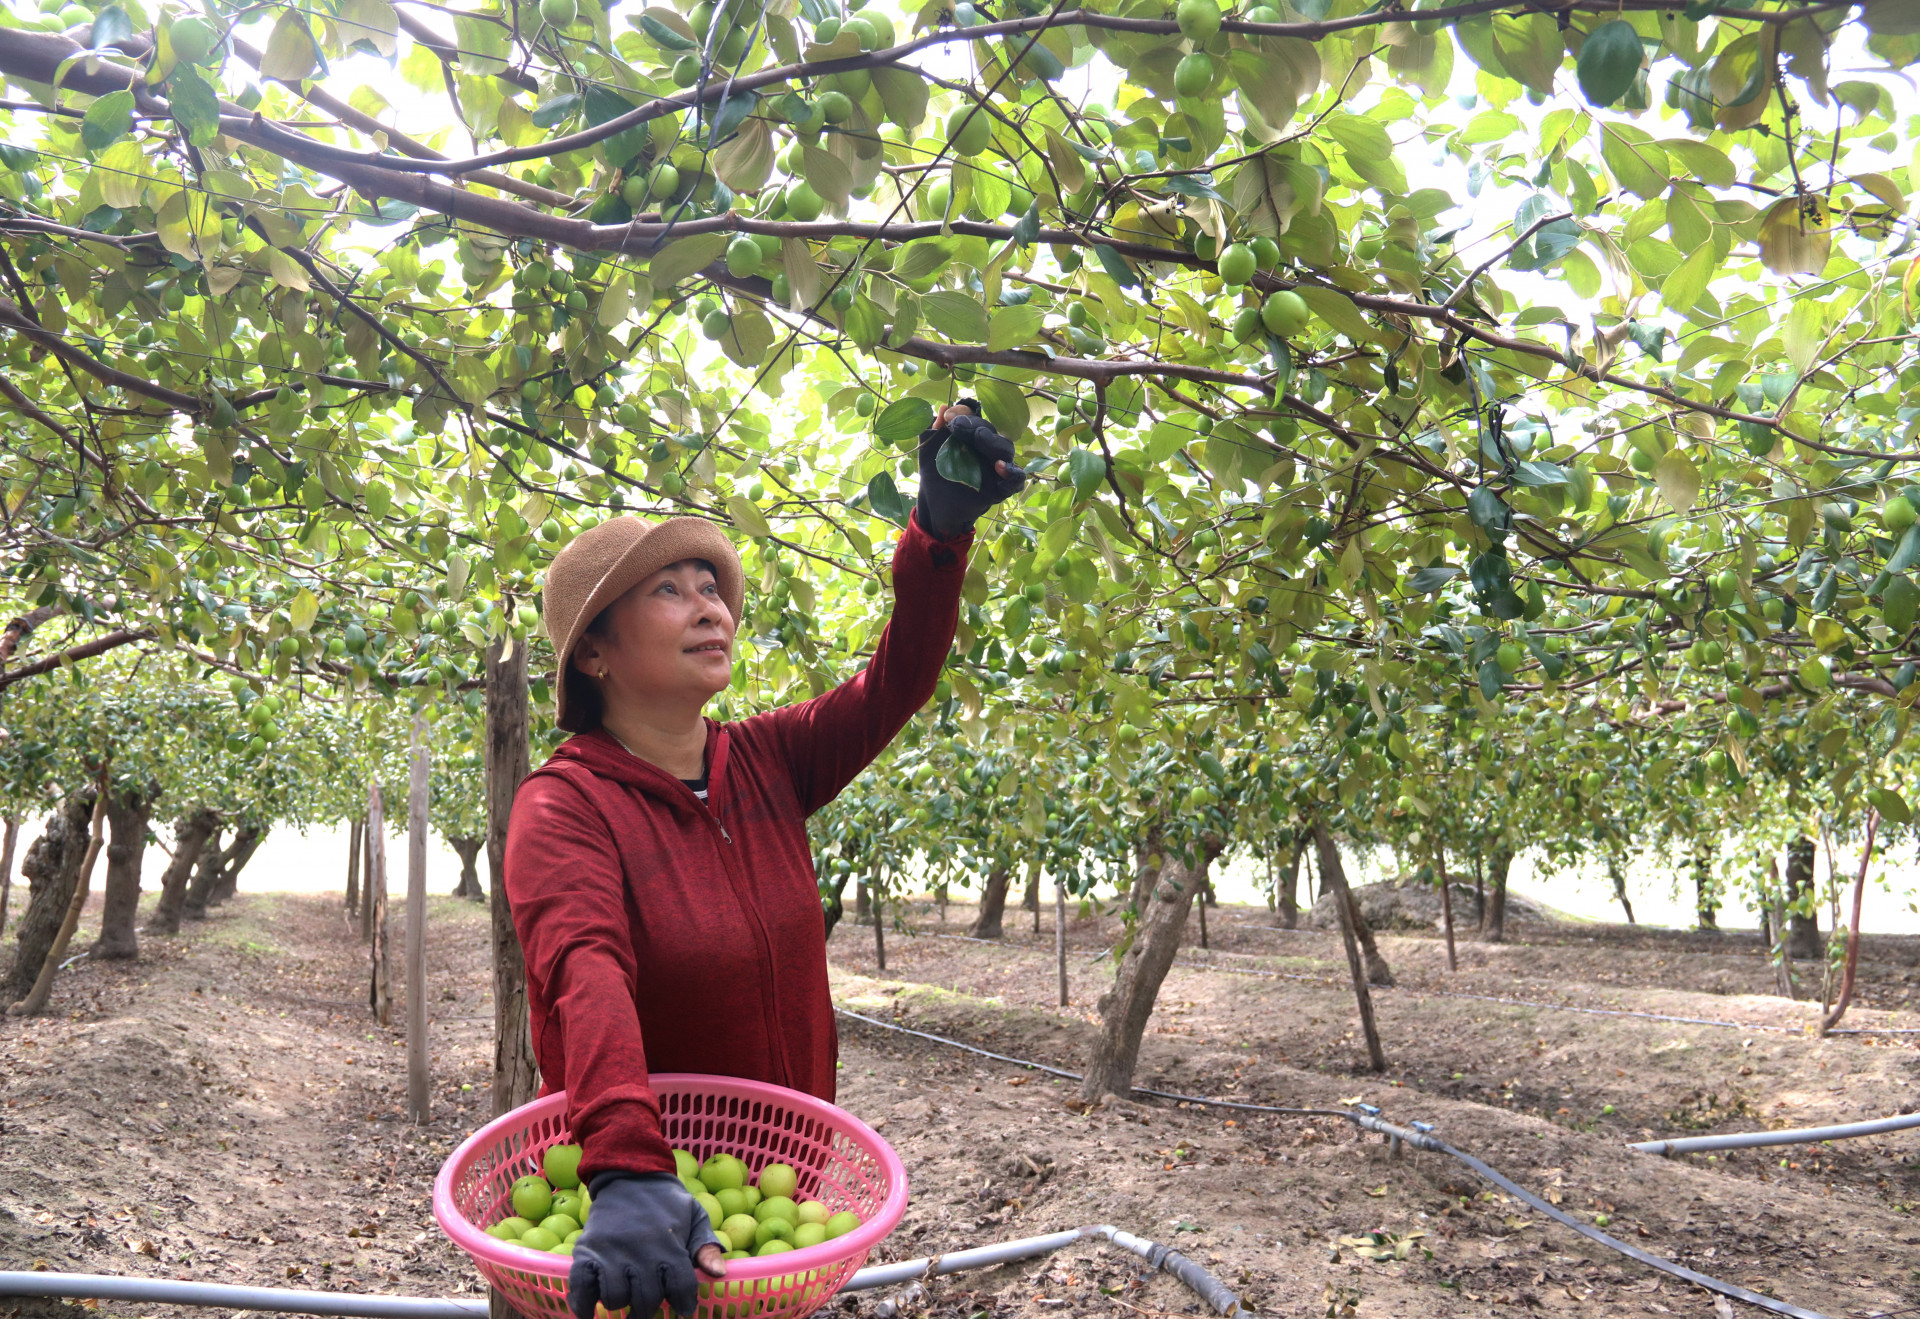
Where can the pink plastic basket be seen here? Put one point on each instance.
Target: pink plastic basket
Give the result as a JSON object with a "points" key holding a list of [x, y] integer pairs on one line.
{"points": [[842, 1162]]}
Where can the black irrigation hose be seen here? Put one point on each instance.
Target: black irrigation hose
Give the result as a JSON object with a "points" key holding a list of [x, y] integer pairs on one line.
{"points": [[1421, 1140]]}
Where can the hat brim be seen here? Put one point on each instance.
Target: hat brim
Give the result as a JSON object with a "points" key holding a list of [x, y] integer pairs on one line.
{"points": [[665, 543]]}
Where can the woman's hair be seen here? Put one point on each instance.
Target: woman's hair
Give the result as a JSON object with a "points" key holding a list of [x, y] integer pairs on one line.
{"points": [[584, 701]]}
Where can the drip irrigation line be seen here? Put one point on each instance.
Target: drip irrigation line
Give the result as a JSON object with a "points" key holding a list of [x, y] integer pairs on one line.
{"points": [[1746, 1140], [1421, 1138], [1453, 993]]}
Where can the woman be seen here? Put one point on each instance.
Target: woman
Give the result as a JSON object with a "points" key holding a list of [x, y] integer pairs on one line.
{"points": [[658, 866]]}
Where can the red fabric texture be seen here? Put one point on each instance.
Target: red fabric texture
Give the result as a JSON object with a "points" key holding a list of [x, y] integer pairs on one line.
{"points": [[667, 935]]}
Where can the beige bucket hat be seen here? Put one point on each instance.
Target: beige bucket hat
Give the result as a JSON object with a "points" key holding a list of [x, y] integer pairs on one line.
{"points": [[603, 563]]}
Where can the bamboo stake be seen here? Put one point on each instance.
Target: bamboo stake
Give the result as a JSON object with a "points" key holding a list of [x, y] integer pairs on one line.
{"points": [[418, 1098]]}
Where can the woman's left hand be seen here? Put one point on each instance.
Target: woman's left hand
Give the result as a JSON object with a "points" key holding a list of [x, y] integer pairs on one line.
{"points": [[949, 508]]}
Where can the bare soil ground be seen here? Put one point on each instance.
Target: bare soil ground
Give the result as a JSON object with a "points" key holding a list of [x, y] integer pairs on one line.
{"points": [[225, 1110]]}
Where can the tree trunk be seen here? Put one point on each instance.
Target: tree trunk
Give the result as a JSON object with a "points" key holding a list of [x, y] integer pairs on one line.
{"points": [[1620, 886], [1779, 946], [51, 869], [1031, 902], [353, 864], [1804, 945], [1290, 886], [940, 899], [127, 814], [1496, 907], [468, 850], [190, 835], [6, 867], [1125, 1007], [1146, 873], [1378, 972], [1832, 1019], [1706, 904], [1446, 905], [194, 906], [380, 980], [1333, 877], [42, 988], [1203, 918], [879, 925], [232, 861], [993, 904], [862, 902], [516, 1077], [419, 1106], [1479, 891]]}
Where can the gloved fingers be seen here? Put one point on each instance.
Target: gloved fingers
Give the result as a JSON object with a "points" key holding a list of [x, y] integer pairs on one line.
{"points": [[648, 1282], [680, 1283], [991, 448], [583, 1286], [701, 1232]]}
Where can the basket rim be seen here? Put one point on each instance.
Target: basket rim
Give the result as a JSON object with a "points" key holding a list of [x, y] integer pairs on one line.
{"points": [[506, 1254]]}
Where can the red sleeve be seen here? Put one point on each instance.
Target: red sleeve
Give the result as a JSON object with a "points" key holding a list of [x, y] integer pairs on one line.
{"points": [[569, 906], [831, 738]]}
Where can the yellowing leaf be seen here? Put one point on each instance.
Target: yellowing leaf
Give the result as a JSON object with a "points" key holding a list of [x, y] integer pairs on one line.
{"points": [[747, 516], [1678, 479], [303, 609], [290, 54], [1013, 326]]}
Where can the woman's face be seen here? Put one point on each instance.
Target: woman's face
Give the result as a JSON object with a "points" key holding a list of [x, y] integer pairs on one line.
{"points": [[669, 638]]}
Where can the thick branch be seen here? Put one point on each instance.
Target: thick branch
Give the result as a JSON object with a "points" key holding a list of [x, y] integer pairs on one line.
{"points": [[98, 646]]}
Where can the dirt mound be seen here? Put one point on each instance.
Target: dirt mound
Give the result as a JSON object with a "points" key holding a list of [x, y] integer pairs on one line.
{"points": [[1403, 904]]}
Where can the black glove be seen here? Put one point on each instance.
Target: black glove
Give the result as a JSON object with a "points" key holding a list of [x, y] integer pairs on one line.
{"points": [[948, 508], [638, 1246]]}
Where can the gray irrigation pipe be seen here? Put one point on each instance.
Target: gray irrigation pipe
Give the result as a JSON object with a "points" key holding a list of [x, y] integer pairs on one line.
{"points": [[1420, 1138], [226, 1296], [1746, 1140]]}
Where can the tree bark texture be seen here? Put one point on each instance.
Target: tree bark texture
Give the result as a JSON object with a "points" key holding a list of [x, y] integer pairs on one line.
{"points": [[353, 864], [1832, 1019], [234, 859], [468, 850], [993, 904], [190, 835], [1496, 907], [6, 867], [127, 814], [1031, 902], [380, 979], [879, 924], [194, 906], [1620, 887], [862, 902], [1446, 905], [42, 988], [1060, 935], [516, 1077], [1378, 972], [1804, 944], [419, 1101], [366, 882], [1290, 886], [1126, 1006], [51, 869], [1333, 876]]}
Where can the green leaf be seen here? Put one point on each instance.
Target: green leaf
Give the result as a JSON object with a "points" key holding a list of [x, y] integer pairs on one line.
{"points": [[1898, 604], [866, 324], [747, 516], [956, 315], [904, 94], [663, 36], [683, 257], [1431, 579], [107, 121], [195, 105], [1013, 326], [1678, 479], [1004, 404], [958, 463], [883, 497], [1087, 470], [290, 54], [111, 26], [903, 420], [1337, 310], [1492, 679], [1609, 59], [1116, 266], [1684, 287]]}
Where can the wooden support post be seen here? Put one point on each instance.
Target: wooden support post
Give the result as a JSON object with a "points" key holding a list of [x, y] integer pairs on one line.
{"points": [[380, 982], [1333, 878], [1060, 935], [418, 1098]]}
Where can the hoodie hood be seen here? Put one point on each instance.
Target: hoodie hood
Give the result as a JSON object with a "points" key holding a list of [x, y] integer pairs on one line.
{"points": [[600, 752]]}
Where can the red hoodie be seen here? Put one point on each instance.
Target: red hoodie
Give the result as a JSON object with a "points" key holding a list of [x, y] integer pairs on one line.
{"points": [[663, 934]]}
